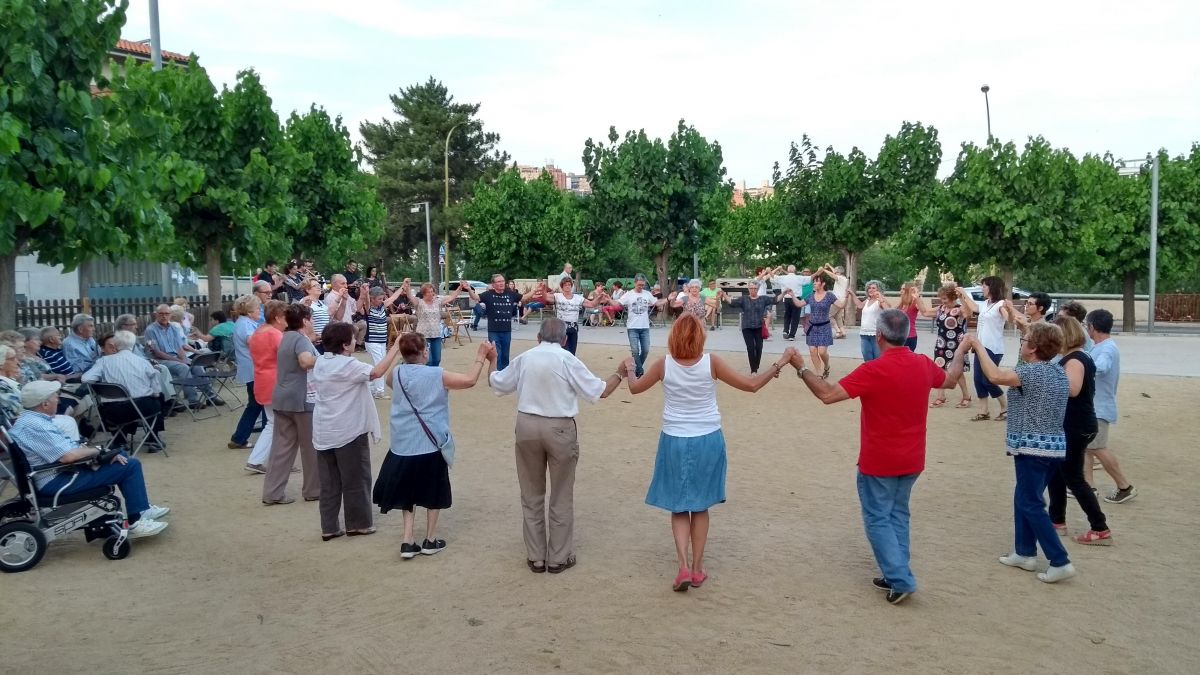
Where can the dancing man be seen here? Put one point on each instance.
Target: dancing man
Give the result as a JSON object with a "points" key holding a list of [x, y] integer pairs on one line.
{"points": [[637, 304], [893, 389], [1107, 358], [500, 305]]}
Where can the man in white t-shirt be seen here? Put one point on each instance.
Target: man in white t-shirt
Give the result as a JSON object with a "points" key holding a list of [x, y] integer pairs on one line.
{"points": [[556, 279], [840, 284], [637, 304], [791, 313]]}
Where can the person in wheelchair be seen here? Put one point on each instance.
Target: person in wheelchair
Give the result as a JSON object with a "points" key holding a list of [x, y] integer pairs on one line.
{"points": [[139, 378], [45, 443]]}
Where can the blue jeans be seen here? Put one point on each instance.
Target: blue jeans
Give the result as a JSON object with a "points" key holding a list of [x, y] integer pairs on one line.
{"points": [[869, 347], [983, 387], [1032, 522], [434, 345], [476, 315], [884, 501], [502, 340], [127, 477], [250, 415], [639, 347]]}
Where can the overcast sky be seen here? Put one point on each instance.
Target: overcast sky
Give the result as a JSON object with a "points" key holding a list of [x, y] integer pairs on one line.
{"points": [[1091, 76]]}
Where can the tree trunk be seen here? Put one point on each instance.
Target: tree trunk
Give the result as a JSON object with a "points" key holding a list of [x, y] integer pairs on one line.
{"points": [[1128, 306], [852, 275], [212, 266], [8, 289], [661, 266], [1006, 275]]}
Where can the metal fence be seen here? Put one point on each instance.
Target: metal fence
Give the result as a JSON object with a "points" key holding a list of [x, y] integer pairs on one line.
{"points": [[58, 313]]}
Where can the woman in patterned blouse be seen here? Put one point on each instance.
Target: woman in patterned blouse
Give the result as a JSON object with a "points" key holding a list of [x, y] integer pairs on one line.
{"points": [[951, 317]]}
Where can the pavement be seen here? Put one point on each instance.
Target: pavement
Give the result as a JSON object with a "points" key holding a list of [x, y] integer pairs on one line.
{"points": [[1169, 355]]}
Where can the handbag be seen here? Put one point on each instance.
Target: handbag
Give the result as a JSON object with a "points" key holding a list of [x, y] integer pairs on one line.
{"points": [[447, 448], [766, 332]]}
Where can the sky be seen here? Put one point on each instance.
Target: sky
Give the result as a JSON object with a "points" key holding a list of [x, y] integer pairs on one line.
{"points": [[1091, 76]]}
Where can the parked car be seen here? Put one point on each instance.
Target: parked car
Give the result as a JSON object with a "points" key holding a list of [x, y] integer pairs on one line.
{"points": [[1018, 296]]}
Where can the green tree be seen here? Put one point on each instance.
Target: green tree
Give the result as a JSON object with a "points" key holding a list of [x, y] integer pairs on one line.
{"points": [[525, 229], [653, 192], [78, 178], [244, 206], [338, 201], [407, 156]]}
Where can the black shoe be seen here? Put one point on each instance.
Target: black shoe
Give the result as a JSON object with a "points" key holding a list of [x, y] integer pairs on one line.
{"points": [[432, 547], [409, 551], [896, 597], [216, 400], [556, 569], [881, 584]]}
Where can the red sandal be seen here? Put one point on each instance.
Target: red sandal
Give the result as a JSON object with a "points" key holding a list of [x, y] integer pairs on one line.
{"points": [[683, 580]]}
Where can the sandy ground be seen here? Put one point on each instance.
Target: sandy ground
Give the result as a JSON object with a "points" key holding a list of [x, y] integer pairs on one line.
{"points": [[236, 587]]}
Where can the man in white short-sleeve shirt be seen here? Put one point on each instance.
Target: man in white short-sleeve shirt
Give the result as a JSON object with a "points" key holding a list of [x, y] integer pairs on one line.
{"points": [[791, 313], [637, 303]]}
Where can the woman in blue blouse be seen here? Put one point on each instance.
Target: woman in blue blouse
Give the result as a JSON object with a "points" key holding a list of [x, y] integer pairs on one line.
{"points": [[1037, 401]]}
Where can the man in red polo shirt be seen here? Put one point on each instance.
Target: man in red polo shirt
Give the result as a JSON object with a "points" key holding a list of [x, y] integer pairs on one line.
{"points": [[894, 390]]}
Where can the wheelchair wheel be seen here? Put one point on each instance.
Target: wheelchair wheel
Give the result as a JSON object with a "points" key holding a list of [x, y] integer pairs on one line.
{"points": [[22, 546], [114, 552]]}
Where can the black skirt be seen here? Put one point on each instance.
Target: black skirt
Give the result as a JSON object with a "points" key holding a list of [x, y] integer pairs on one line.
{"points": [[408, 481]]}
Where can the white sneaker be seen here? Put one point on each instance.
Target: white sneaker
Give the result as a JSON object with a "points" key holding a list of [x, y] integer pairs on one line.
{"points": [[145, 527], [155, 512], [1053, 574], [1027, 563]]}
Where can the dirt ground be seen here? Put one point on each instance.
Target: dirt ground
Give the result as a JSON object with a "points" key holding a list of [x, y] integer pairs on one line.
{"points": [[236, 587]]}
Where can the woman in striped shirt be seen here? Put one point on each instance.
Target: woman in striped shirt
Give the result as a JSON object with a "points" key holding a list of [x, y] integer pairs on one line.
{"points": [[320, 311], [373, 306]]}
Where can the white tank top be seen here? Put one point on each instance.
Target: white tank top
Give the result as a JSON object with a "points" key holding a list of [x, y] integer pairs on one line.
{"points": [[690, 399], [991, 327], [870, 318]]}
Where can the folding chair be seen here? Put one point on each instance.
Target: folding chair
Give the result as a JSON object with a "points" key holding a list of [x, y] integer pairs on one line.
{"points": [[201, 384], [107, 395], [220, 374], [458, 323]]}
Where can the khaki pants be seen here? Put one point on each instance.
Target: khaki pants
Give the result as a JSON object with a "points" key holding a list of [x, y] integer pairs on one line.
{"points": [[838, 316], [293, 433], [547, 444]]}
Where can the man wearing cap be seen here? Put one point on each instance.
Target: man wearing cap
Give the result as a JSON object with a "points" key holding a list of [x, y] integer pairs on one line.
{"points": [[45, 443], [637, 304]]}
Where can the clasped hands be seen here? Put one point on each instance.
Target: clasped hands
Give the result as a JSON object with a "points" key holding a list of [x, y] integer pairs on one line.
{"points": [[486, 351]]}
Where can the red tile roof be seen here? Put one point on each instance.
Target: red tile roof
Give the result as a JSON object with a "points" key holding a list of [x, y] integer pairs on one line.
{"points": [[140, 49]]}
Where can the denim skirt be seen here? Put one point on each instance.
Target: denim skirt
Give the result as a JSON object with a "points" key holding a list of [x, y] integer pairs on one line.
{"points": [[689, 473]]}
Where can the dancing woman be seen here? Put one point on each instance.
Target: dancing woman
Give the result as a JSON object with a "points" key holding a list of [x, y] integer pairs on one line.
{"points": [[951, 319], [689, 469], [913, 306], [1035, 438], [568, 307], [871, 309], [755, 312], [690, 301], [428, 307], [819, 335], [993, 314]]}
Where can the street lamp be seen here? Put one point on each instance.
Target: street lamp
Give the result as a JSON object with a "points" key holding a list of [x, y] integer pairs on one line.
{"points": [[428, 237], [988, 107], [696, 250], [1123, 170], [446, 204]]}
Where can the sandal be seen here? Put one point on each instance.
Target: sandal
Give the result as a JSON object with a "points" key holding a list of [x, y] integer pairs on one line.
{"points": [[965, 403], [825, 375], [1002, 416], [535, 567], [981, 417], [938, 402], [555, 569], [683, 580], [698, 578]]}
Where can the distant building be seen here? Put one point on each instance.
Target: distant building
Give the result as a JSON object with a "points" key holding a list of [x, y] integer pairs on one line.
{"points": [[741, 192], [531, 173], [579, 184]]}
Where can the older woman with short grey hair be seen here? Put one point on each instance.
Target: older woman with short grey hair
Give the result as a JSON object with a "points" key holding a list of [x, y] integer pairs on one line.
{"points": [[689, 300], [871, 308]]}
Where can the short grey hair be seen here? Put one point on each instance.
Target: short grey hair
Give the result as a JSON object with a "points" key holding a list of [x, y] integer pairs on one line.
{"points": [[6, 353], [496, 276], [80, 319], [338, 276], [893, 326], [30, 333], [553, 330], [839, 269], [124, 340], [376, 291], [48, 330], [162, 307], [694, 283], [264, 285], [124, 319], [876, 283]]}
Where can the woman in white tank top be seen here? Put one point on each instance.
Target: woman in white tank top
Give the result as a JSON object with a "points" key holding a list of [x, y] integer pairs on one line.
{"points": [[689, 470], [994, 312], [871, 308]]}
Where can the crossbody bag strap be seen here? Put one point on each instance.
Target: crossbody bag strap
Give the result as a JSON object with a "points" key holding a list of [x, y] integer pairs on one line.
{"points": [[416, 414]]}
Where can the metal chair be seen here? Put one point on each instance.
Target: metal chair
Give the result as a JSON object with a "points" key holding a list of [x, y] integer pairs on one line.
{"points": [[110, 394], [219, 374]]}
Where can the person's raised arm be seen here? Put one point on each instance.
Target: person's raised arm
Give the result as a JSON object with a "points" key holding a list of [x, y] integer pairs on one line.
{"points": [[729, 375], [840, 303], [967, 301], [927, 311], [454, 381], [1006, 377], [393, 297], [652, 376]]}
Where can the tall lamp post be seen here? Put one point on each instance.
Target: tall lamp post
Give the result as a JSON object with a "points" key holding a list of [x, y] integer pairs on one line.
{"points": [[1153, 231], [987, 107], [446, 204], [696, 250], [428, 237]]}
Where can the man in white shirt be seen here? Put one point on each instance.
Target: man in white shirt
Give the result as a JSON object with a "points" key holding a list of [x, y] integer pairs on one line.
{"points": [[791, 313], [549, 381], [140, 380], [556, 279], [637, 304]]}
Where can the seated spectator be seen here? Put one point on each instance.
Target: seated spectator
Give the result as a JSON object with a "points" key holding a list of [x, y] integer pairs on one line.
{"points": [[220, 336], [187, 320], [80, 346], [168, 345], [33, 366], [612, 311], [51, 352], [10, 394], [535, 300], [107, 348], [139, 378], [129, 322], [44, 443]]}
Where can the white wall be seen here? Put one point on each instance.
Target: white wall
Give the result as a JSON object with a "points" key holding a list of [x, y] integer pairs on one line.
{"points": [[45, 282]]}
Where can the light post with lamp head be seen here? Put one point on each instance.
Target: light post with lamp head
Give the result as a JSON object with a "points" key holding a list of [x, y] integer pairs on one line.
{"points": [[446, 204], [987, 107], [1125, 170], [428, 237]]}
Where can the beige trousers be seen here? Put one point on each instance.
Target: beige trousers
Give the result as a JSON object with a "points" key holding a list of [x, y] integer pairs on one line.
{"points": [[547, 445], [292, 434]]}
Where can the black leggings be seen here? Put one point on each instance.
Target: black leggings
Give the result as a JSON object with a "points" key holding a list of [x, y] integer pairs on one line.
{"points": [[572, 338], [754, 342], [1070, 475]]}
